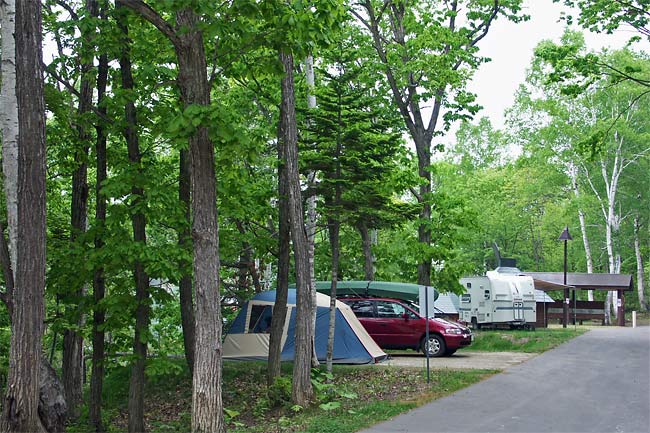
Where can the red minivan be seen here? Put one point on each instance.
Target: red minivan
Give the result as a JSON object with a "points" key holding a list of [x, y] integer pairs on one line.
{"points": [[395, 325]]}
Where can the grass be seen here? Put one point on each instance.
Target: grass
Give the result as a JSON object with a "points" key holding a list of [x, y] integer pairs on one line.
{"points": [[357, 397], [537, 341]]}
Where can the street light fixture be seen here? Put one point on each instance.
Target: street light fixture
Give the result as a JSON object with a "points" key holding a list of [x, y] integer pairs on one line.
{"points": [[565, 236]]}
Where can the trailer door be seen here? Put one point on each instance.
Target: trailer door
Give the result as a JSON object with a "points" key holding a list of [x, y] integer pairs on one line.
{"points": [[518, 311]]}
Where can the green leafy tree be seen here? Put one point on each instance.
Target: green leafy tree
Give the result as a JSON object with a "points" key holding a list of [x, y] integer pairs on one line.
{"points": [[428, 52], [354, 145], [609, 15]]}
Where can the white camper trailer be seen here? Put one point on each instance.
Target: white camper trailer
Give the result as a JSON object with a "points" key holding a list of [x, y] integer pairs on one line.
{"points": [[501, 298]]}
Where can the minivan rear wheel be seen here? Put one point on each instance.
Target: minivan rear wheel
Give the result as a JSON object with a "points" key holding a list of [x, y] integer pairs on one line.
{"points": [[436, 346]]}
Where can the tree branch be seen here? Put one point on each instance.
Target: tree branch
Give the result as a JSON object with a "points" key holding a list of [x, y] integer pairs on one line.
{"points": [[69, 9], [70, 88], [149, 14]]}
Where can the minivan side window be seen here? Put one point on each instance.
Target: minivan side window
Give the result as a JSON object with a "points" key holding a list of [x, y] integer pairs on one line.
{"points": [[387, 309], [362, 308]]}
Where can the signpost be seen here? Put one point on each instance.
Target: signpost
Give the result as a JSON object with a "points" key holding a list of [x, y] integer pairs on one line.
{"points": [[565, 236]]}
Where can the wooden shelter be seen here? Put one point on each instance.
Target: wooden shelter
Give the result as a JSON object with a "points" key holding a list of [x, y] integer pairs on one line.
{"points": [[621, 283]]}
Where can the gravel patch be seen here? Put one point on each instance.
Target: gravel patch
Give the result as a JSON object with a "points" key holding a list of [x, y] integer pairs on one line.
{"points": [[462, 360]]}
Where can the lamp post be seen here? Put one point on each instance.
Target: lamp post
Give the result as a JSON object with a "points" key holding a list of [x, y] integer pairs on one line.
{"points": [[565, 236]]}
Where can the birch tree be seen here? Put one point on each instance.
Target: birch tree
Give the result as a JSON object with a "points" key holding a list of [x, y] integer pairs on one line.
{"points": [[9, 113], [598, 136]]}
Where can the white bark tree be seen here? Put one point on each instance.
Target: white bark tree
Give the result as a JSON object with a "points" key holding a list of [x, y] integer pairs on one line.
{"points": [[573, 173], [640, 269], [9, 119], [310, 226]]}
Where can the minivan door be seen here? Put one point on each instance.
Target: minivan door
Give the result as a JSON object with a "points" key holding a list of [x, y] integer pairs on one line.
{"points": [[396, 326]]}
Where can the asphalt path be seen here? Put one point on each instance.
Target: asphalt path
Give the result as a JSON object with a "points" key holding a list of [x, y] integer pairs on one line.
{"points": [[597, 382]]}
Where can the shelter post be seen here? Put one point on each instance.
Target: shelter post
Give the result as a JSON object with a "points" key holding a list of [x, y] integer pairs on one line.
{"points": [[565, 236], [621, 308]]}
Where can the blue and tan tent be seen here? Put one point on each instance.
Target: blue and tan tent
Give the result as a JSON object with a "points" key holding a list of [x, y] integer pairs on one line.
{"points": [[248, 337]]}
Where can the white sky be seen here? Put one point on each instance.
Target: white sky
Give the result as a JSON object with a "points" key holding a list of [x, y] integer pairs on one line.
{"points": [[510, 46]]}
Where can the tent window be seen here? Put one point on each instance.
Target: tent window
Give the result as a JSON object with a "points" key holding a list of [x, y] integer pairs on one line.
{"points": [[260, 322]]}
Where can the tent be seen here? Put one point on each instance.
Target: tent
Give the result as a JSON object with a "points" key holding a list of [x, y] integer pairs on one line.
{"points": [[377, 289], [248, 337]]}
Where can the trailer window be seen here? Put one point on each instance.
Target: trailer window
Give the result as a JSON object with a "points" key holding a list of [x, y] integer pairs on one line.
{"points": [[466, 298], [487, 294]]}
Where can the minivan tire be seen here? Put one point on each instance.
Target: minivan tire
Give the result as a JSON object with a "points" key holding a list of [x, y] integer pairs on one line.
{"points": [[436, 345]]}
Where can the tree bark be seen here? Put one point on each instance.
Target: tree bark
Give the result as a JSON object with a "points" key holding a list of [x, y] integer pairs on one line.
{"points": [[9, 118], [207, 405], [573, 172], [302, 391], [334, 227], [20, 412], [185, 243], [138, 223], [284, 257], [640, 271], [312, 215], [99, 284], [72, 339], [366, 245]]}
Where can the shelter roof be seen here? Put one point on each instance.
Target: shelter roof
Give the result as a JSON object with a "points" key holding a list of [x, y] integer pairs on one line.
{"points": [[541, 296], [554, 281], [445, 303]]}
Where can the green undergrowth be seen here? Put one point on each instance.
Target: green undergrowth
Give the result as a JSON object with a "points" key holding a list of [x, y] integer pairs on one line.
{"points": [[537, 341], [352, 398]]}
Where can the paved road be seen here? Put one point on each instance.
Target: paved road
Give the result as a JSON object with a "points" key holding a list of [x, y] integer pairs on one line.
{"points": [[598, 382]]}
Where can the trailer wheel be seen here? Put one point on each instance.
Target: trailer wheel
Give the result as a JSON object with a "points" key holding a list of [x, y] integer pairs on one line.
{"points": [[436, 346], [475, 324]]}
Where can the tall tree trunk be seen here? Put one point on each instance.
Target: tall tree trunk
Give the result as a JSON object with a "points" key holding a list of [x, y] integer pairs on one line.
{"points": [[366, 245], [284, 257], [185, 243], [302, 391], [207, 404], [20, 412], [573, 172], [334, 227], [99, 284], [9, 118], [72, 338], [138, 223], [312, 216], [424, 231], [640, 271]]}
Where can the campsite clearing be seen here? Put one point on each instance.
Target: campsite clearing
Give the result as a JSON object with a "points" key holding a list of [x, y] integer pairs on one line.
{"points": [[462, 360]]}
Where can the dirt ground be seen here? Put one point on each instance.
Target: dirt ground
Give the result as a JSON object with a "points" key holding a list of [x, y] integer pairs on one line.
{"points": [[461, 360]]}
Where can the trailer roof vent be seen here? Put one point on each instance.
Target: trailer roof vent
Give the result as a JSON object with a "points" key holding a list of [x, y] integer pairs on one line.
{"points": [[507, 270]]}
